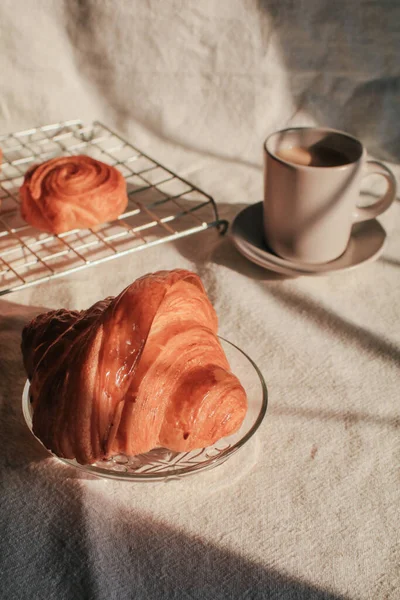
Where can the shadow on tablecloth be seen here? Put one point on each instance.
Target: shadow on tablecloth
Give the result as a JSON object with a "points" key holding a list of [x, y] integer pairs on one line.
{"points": [[56, 545], [357, 96]]}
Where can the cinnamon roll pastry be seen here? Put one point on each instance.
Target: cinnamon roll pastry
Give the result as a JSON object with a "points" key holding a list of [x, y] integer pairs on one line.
{"points": [[142, 370], [72, 192]]}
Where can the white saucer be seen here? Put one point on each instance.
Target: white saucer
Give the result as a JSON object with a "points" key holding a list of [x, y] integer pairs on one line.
{"points": [[366, 244]]}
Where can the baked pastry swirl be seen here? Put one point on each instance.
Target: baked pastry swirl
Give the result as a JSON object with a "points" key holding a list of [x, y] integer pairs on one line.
{"points": [[72, 192], [132, 373]]}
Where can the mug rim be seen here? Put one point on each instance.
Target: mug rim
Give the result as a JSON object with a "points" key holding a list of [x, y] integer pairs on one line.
{"points": [[319, 129]]}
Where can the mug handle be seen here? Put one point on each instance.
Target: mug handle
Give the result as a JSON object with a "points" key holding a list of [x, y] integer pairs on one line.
{"points": [[363, 213]]}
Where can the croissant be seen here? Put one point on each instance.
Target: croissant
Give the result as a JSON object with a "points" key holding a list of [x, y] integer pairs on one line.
{"points": [[72, 192], [142, 370]]}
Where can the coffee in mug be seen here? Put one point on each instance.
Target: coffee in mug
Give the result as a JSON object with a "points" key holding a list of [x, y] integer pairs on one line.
{"points": [[312, 181], [313, 157]]}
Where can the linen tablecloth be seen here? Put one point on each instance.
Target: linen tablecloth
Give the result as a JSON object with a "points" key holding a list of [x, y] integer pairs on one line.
{"points": [[309, 508]]}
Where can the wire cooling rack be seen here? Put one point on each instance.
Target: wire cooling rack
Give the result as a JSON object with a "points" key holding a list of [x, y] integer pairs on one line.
{"points": [[162, 206]]}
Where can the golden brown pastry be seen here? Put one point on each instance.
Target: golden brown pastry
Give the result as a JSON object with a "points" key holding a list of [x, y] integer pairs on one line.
{"points": [[132, 373], [72, 192]]}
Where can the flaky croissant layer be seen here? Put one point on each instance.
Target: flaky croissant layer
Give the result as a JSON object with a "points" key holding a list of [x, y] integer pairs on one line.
{"points": [[142, 370]]}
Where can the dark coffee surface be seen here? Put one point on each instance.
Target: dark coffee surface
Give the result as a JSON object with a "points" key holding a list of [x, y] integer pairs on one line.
{"points": [[318, 156]]}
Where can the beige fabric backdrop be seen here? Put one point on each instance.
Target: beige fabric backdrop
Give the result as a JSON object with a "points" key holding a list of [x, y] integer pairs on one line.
{"points": [[310, 508]]}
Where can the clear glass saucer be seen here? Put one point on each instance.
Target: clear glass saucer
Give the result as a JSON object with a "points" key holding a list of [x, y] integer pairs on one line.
{"points": [[160, 463]]}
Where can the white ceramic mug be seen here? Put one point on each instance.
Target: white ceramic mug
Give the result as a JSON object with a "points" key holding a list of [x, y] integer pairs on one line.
{"points": [[309, 210]]}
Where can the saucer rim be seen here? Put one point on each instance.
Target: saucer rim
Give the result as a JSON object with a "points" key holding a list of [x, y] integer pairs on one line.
{"points": [[280, 265]]}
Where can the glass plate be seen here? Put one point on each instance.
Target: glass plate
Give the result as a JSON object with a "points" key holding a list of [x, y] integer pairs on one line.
{"points": [[161, 463]]}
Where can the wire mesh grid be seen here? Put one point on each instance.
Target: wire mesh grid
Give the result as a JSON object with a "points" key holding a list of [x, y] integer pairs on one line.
{"points": [[162, 206]]}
